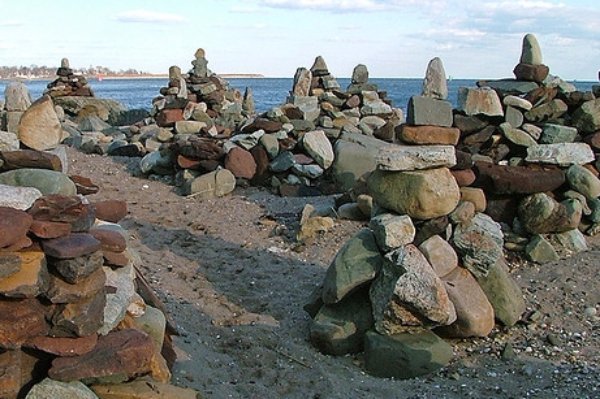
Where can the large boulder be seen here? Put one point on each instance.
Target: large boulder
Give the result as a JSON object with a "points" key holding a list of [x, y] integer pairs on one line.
{"points": [[354, 159], [39, 127], [405, 355], [407, 293], [47, 181], [421, 194]]}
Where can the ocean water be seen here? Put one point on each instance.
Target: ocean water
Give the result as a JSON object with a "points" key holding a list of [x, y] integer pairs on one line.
{"points": [[268, 92]]}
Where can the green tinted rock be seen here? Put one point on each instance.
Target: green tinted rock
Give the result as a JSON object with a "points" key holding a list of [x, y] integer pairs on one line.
{"points": [[356, 263], [340, 328], [540, 250], [405, 355], [47, 181], [503, 293], [583, 181], [587, 117]]}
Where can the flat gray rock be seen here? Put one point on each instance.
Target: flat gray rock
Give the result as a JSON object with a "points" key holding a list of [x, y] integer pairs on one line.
{"points": [[403, 157]]}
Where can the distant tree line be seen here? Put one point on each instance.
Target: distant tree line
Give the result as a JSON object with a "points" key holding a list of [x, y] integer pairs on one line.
{"points": [[35, 71]]}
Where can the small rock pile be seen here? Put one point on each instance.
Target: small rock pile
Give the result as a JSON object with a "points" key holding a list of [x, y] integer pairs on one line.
{"points": [[429, 260], [68, 83], [70, 315]]}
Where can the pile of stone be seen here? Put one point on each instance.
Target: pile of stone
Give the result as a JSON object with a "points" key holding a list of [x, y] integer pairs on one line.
{"points": [[68, 83], [531, 142], [70, 315], [430, 263], [290, 147]]}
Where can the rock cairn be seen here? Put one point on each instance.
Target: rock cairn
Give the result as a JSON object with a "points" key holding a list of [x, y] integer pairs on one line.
{"points": [[430, 263], [290, 147], [68, 83], [513, 168], [532, 142], [70, 317]]}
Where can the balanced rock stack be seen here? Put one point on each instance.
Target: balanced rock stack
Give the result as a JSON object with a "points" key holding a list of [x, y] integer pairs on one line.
{"points": [[68, 83], [532, 142], [16, 101], [70, 314], [429, 260]]}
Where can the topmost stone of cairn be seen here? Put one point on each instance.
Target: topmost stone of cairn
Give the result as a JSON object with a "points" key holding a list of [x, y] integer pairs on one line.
{"points": [[200, 64], [434, 84], [319, 67], [302, 82], [64, 63], [531, 52], [360, 74]]}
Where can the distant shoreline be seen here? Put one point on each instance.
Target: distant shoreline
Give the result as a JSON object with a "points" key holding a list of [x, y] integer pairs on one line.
{"points": [[124, 77]]}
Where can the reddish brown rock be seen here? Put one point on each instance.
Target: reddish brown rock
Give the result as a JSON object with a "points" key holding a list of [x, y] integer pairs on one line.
{"points": [[464, 178], [84, 185], [23, 242], [111, 210], [187, 163], [47, 229], [241, 163], [30, 159], [14, 225], [504, 179], [31, 279], [428, 134], [79, 319], [72, 246], [474, 313], [532, 73], [168, 117], [63, 346], [353, 101], [64, 208], [116, 259], [110, 240], [21, 320], [60, 291], [267, 125], [262, 164], [10, 374], [121, 355], [73, 270]]}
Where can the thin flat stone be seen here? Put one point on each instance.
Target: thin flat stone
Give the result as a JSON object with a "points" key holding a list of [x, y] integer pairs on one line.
{"points": [[405, 158], [71, 246]]}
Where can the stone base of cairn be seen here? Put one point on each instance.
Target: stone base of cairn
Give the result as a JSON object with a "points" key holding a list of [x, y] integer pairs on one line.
{"points": [[512, 169], [71, 319], [68, 83]]}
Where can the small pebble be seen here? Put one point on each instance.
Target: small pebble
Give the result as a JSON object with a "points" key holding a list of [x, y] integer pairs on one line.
{"points": [[553, 339], [590, 312], [508, 353]]}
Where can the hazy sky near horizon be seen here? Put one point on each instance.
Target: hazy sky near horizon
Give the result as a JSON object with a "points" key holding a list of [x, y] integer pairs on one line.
{"points": [[394, 38]]}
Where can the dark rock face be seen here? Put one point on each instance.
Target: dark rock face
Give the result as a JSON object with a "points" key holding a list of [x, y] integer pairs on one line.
{"points": [[500, 179], [120, 355], [71, 246], [21, 320]]}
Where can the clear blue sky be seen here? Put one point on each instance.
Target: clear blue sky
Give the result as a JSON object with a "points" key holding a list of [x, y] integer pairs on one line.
{"points": [[394, 38]]}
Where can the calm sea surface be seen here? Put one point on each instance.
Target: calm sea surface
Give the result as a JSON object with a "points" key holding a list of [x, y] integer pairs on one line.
{"points": [[268, 92]]}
